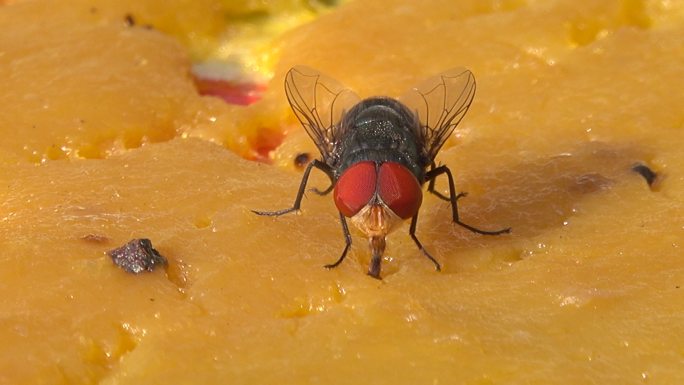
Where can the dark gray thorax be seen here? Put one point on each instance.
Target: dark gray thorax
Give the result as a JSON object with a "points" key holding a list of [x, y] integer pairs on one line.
{"points": [[380, 130]]}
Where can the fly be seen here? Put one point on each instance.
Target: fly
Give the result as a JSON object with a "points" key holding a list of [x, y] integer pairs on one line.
{"points": [[379, 152]]}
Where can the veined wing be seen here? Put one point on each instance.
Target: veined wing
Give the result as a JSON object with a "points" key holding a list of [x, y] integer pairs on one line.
{"points": [[319, 102], [440, 103]]}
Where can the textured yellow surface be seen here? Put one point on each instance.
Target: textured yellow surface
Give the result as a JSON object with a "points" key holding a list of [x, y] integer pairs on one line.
{"points": [[105, 139]]}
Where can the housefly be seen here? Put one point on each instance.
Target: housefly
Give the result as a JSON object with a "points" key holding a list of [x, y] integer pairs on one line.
{"points": [[379, 152]]}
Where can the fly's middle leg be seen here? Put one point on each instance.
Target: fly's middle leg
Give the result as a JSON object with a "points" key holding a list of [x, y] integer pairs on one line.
{"points": [[431, 188], [302, 188]]}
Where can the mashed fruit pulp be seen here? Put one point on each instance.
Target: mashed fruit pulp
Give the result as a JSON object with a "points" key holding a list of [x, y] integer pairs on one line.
{"points": [[106, 140]]}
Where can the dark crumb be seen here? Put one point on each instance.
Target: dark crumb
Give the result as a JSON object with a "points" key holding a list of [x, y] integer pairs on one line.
{"points": [[137, 256], [129, 20], [302, 159], [648, 174], [95, 238], [93, 10]]}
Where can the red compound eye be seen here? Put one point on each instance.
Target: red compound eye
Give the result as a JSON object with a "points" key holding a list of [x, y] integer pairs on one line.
{"points": [[399, 189], [355, 188]]}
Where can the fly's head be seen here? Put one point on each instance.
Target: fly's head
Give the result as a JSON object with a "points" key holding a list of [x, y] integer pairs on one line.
{"points": [[377, 197]]}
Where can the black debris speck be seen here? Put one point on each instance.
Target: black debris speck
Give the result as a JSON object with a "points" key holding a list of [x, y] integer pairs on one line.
{"points": [[129, 20], [302, 159], [646, 172], [137, 256]]}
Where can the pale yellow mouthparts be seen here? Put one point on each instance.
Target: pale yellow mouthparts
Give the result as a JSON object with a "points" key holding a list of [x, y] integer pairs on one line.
{"points": [[376, 220]]}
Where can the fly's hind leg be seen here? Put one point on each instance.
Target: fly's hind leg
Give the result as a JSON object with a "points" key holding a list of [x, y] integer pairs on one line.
{"points": [[453, 198], [302, 187]]}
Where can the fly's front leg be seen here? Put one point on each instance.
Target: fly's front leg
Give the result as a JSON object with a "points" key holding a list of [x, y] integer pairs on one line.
{"points": [[412, 233], [453, 198], [348, 242], [302, 187]]}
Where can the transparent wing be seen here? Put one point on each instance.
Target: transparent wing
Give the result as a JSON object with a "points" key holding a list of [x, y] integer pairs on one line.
{"points": [[319, 103], [440, 103]]}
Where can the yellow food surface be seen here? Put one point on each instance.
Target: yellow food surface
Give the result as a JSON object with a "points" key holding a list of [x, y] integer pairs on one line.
{"points": [[105, 139]]}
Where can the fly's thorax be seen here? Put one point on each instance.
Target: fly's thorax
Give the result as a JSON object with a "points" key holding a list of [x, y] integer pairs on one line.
{"points": [[377, 196], [381, 130]]}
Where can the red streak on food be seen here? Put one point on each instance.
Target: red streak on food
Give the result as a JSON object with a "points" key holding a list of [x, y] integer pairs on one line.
{"points": [[242, 94], [264, 143]]}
